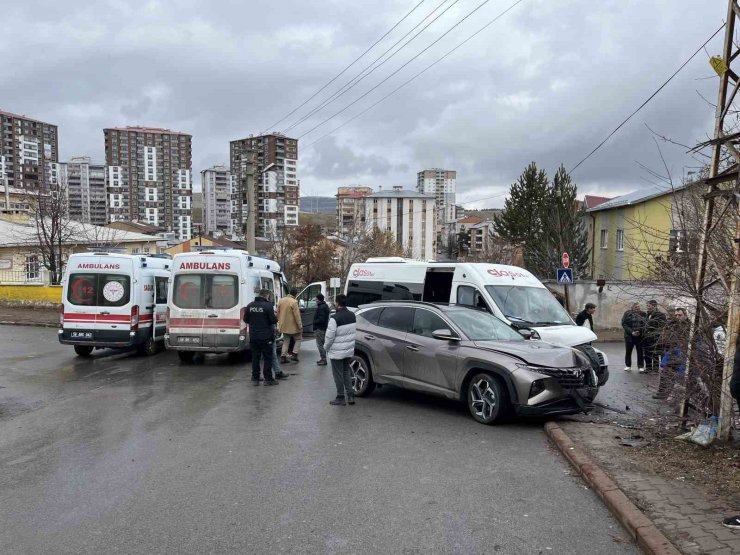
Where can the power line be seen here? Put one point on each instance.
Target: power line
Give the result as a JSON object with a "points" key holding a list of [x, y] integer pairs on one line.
{"points": [[394, 91], [338, 75], [609, 136], [478, 7], [352, 83]]}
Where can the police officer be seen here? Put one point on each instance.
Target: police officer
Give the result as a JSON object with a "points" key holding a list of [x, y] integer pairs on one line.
{"points": [[260, 317]]}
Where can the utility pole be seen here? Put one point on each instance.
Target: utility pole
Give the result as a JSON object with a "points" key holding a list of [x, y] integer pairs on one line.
{"points": [[720, 141]]}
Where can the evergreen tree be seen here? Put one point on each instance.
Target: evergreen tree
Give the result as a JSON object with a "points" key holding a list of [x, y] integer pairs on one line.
{"points": [[563, 230], [521, 222]]}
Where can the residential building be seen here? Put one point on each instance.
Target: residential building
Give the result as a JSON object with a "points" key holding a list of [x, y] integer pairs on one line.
{"points": [[204, 241], [21, 262], [464, 224], [83, 184], [149, 177], [217, 186], [351, 209], [409, 216], [167, 238], [271, 161], [481, 238], [442, 184], [628, 233], [28, 148], [592, 201]]}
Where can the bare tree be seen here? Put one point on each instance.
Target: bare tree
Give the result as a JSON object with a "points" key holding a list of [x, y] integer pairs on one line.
{"points": [[53, 229]]}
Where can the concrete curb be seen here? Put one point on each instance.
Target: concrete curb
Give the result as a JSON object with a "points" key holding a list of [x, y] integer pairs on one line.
{"points": [[649, 539], [38, 324]]}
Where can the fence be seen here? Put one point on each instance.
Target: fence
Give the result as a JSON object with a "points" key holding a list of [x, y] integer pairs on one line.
{"points": [[29, 276]]}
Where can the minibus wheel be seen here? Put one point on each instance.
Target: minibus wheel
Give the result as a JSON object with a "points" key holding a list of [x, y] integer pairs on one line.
{"points": [[83, 350]]}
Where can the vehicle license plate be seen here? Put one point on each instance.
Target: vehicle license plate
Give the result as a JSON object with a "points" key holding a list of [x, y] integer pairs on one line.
{"points": [[188, 340], [82, 335]]}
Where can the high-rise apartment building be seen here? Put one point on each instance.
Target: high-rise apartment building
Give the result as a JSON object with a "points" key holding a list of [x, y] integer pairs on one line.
{"points": [[83, 184], [408, 216], [28, 148], [442, 184], [272, 162], [149, 177], [351, 209], [218, 188]]}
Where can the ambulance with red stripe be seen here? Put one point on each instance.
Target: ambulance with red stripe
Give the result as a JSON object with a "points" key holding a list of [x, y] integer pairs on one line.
{"points": [[111, 299], [209, 291]]}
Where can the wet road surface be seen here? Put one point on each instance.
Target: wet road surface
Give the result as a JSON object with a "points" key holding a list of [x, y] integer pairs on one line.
{"points": [[124, 454]]}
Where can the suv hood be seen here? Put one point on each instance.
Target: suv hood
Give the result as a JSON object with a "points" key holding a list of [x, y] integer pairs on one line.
{"points": [[568, 336], [537, 353]]}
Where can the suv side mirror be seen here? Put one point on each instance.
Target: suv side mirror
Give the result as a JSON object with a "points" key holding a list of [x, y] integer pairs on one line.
{"points": [[445, 335], [526, 333]]}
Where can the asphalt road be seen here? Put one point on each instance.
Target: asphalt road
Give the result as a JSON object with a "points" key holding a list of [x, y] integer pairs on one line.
{"points": [[123, 454]]}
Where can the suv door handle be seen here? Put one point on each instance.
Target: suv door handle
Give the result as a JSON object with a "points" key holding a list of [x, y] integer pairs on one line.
{"points": [[213, 315], [370, 337], [412, 348]]}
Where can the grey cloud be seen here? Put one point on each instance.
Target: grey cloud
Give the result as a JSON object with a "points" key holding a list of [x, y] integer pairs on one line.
{"points": [[546, 83]]}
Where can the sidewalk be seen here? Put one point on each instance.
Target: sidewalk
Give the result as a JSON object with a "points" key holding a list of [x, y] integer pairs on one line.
{"points": [[29, 316], [686, 490]]}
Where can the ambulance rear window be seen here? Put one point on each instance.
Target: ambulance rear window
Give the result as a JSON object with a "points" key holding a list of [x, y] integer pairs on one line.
{"points": [[88, 289], [205, 291]]}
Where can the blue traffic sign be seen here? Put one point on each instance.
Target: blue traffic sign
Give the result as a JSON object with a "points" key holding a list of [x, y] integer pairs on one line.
{"points": [[565, 275]]}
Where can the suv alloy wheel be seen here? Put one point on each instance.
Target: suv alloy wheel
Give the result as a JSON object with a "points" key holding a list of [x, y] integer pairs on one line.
{"points": [[362, 381], [487, 400]]}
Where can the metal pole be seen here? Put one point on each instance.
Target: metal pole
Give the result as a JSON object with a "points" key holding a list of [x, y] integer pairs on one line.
{"points": [[709, 200]]}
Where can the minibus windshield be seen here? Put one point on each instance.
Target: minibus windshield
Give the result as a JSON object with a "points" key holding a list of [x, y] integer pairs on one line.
{"points": [[534, 306]]}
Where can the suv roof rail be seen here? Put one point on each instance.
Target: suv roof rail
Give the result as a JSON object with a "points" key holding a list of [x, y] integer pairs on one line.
{"points": [[400, 301]]}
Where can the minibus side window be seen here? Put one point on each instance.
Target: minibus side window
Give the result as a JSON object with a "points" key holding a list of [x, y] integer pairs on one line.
{"points": [[470, 296], [160, 287]]}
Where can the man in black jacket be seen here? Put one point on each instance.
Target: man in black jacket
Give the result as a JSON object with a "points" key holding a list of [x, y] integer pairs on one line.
{"points": [[633, 323], [655, 321], [260, 317], [586, 315], [320, 322]]}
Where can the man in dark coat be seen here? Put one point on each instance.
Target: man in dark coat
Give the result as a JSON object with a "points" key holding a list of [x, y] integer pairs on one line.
{"points": [[655, 321], [320, 323], [733, 522], [633, 323], [260, 317], [586, 315]]}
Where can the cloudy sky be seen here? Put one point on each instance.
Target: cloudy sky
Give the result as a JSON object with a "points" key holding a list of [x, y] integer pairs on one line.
{"points": [[545, 83]]}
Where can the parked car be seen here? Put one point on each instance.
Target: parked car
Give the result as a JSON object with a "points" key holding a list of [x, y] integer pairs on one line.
{"points": [[468, 354]]}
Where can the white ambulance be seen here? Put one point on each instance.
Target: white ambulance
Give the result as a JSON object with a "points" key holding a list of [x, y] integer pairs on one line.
{"points": [[510, 293], [209, 291], [110, 299]]}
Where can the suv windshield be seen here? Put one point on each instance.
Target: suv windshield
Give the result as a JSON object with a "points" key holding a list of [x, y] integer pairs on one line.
{"points": [[478, 325], [529, 305]]}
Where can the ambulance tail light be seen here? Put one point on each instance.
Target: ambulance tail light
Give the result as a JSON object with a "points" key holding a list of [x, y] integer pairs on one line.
{"points": [[135, 318], [61, 317], [167, 319], [242, 323]]}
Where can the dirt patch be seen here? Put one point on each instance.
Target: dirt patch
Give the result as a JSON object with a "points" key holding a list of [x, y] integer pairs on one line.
{"points": [[716, 467], [29, 315]]}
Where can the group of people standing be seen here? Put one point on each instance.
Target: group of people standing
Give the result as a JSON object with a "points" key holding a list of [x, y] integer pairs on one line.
{"points": [[335, 339], [659, 342]]}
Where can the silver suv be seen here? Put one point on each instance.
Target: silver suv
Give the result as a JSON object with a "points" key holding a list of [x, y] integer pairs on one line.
{"points": [[470, 355]]}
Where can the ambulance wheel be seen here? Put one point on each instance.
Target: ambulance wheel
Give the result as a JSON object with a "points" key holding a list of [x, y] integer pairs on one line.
{"points": [[148, 348], [186, 356], [83, 350]]}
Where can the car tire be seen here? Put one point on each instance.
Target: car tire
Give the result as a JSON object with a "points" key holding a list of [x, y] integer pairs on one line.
{"points": [[148, 348], [362, 378], [487, 398], [83, 350], [185, 356]]}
